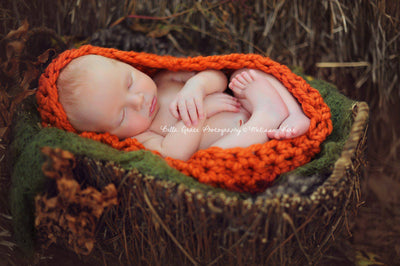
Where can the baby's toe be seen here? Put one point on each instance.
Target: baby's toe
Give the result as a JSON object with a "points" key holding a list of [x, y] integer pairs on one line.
{"points": [[241, 79], [293, 132], [282, 134], [247, 77], [271, 133], [235, 85], [289, 134], [244, 78]]}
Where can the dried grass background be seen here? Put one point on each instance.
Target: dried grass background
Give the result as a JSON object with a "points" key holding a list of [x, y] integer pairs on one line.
{"points": [[354, 44]]}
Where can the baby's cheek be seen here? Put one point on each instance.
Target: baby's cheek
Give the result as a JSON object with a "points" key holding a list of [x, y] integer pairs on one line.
{"points": [[137, 125]]}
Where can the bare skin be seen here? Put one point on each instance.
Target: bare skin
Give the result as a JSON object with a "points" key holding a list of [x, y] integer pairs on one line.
{"points": [[264, 103], [178, 113], [295, 124]]}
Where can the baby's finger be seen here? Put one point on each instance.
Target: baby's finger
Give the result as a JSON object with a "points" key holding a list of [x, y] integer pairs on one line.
{"points": [[173, 109], [228, 97], [200, 108], [192, 111], [228, 103], [184, 113], [231, 108], [230, 100]]}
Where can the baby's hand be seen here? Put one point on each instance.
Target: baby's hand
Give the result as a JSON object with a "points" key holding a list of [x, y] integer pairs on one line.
{"points": [[188, 105], [220, 102]]}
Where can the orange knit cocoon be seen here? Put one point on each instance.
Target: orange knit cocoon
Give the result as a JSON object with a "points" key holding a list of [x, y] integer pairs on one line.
{"points": [[249, 169]]}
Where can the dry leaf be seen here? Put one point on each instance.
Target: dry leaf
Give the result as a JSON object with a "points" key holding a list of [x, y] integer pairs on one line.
{"points": [[30, 74], [44, 57], [16, 101], [72, 215], [20, 32], [69, 189], [11, 68], [58, 161], [15, 49]]}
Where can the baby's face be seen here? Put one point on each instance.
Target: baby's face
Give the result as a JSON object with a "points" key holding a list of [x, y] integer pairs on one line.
{"points": [[118, 98]]}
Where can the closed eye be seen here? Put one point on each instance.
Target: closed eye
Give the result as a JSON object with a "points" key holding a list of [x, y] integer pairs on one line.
{"points": [[123, 114], [130, 81]]}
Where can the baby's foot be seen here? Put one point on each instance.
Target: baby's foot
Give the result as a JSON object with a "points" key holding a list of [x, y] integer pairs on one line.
{"points": [[294, 125], [260, 98], [241, 81], [252, 85]]}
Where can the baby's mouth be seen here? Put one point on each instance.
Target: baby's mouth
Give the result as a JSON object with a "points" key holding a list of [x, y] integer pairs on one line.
{"points": [[153, 106]]}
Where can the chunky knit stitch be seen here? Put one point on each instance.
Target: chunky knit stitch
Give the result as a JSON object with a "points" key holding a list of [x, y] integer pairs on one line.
{"points": [[249, 169]]}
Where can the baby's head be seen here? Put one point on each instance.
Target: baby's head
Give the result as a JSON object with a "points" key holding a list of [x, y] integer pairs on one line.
{"points": [[100, 94]]}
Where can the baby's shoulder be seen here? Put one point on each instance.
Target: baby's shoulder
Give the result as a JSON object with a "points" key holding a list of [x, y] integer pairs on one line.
{"points": [[173, 76], [167, 90]]}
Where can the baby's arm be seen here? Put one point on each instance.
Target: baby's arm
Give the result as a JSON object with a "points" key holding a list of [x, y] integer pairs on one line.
{"points": [[188, 103], [181, 76], [180, 142]]}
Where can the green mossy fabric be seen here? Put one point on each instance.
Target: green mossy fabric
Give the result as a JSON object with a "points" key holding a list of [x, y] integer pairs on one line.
{"points": [[331, 148], [29, 137]]}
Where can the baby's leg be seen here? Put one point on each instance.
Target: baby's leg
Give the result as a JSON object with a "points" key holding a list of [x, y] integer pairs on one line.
{"points": [[222, 124], [295, 124], [257, 95], [267, 112]]}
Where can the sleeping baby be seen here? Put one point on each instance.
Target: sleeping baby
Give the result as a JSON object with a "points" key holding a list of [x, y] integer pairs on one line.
{"points": [[178, 113]]}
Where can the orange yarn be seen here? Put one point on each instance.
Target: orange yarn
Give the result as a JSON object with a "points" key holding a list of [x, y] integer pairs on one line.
{"points": [[249, 169]]}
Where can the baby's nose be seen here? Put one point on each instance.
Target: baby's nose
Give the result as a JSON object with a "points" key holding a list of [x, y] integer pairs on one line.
{"points": [[136, 100]]}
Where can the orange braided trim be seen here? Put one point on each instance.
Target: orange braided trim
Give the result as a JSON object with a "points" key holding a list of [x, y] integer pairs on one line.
{"points": [[249, 169]]}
